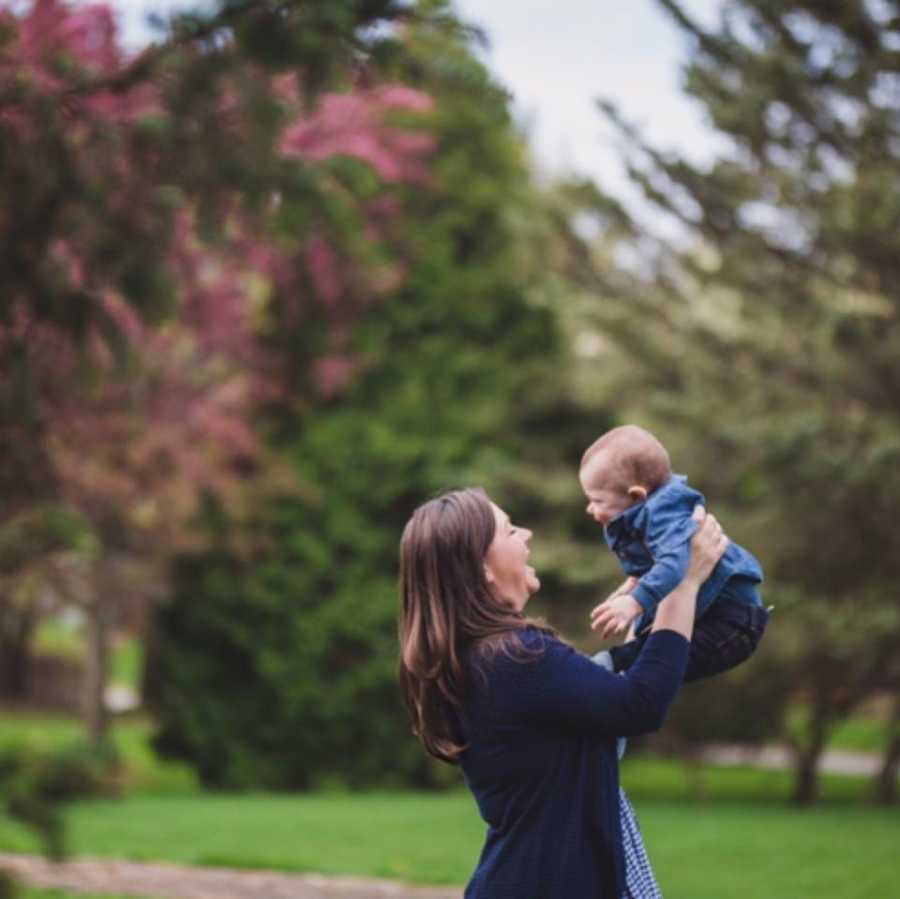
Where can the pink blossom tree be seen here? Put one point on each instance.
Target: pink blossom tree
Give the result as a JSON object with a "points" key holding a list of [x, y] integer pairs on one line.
{"points": [[168, 217]]}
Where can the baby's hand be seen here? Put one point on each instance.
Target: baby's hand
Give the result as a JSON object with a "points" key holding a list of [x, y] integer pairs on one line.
{"points": [[614, 615]]}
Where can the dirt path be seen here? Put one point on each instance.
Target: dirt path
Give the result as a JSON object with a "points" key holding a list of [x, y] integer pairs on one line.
{"points": [[178, 882]]}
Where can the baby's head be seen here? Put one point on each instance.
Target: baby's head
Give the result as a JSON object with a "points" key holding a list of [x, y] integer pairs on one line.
{"points": [[621, 468]]}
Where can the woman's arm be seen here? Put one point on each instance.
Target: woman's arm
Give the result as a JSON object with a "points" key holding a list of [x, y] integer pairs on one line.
{"points": [[676, 611], [563, 688]]}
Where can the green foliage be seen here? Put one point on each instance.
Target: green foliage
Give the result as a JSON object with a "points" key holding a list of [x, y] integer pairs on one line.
{"points": [[762, 343], [34, 787], [278, 668], [137, 769], [747, 705], [167, 214], [273, 686], [40, 529]]}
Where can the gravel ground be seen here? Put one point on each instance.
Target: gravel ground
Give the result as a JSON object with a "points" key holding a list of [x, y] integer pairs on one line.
{"points": [[179, 882]]}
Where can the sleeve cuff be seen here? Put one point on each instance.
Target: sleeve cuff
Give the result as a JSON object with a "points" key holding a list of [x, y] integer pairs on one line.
{"points": [[647, 600], [669, 643]]}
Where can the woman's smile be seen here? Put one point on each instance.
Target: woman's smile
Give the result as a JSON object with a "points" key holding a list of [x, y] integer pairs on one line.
{"points": [[509, 575]]}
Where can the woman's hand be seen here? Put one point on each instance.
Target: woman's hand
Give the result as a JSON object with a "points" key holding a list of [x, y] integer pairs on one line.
{"points": [[707, 546]]}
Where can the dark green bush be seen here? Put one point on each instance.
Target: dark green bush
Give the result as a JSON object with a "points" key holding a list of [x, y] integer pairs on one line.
{"points": [[9, 886], [35, 785], [277, 666], [746, 706]]}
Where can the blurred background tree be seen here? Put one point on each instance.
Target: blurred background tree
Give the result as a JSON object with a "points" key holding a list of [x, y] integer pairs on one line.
{"points": [[760, 331], [283, 672], [286, 273], [166, 215]]}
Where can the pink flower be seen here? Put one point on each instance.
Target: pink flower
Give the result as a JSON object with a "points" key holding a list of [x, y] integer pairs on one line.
{"points": [[354, 124], [333, 373]]}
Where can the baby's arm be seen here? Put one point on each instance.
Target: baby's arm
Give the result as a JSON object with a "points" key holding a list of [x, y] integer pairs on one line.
{"points": [[614, 615], [667, 534], [668, 537], [617, 611], [666, 574]]}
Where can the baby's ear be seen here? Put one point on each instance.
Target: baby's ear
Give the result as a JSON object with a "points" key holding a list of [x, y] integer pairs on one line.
{"points": [[637, 494]]}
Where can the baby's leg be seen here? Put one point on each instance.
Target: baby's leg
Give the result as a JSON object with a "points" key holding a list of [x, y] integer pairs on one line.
{"points": [[725, 635], [625, 655]]}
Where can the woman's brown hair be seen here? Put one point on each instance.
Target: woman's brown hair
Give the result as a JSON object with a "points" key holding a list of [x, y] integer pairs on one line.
{"points": [[446, 606]]}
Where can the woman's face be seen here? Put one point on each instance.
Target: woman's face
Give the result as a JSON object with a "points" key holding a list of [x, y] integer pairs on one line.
{"points": [[509, 575]]}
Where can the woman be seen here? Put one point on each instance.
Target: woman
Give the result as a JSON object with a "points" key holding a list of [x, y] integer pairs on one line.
{"points": [[532, 722]]}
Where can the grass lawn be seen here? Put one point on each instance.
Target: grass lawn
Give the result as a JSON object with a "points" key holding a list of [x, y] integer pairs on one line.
{"points": [[743, 845], [143, 770], [383, 835], [736, 851]]}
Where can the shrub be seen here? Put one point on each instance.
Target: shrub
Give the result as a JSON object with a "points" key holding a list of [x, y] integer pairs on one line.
{"points": [[34, 786]]}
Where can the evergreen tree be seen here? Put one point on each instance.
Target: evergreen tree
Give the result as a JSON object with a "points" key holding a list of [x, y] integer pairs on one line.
{"points": [[276, 663], [768, 332]]}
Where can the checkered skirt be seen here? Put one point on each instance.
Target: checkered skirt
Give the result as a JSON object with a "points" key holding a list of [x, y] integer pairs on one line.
{"points": [[639, 880]]}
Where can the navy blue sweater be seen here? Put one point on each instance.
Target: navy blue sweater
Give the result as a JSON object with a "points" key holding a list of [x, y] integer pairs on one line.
{"points": [[542, 762]]}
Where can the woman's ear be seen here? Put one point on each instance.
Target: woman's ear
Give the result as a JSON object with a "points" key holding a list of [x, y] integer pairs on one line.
{"points": [[488, 574], [637, 494]]}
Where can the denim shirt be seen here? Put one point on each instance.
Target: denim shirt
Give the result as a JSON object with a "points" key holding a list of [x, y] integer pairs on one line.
{"points": [[652, 541]]}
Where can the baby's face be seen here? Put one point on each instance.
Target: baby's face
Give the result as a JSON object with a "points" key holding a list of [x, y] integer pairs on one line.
{"points": [[605, 496]]}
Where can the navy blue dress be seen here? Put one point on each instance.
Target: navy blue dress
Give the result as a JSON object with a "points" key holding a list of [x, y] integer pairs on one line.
{"points": [[541, 728]]}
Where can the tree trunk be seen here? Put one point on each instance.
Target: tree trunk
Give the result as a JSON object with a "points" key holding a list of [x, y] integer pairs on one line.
{"points": [[16, 629], [95, 671], [695, 769], [886, 781], [806, 760]]}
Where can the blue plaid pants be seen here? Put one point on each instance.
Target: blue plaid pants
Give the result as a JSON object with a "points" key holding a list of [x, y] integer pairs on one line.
{"points": [[639, 880]]}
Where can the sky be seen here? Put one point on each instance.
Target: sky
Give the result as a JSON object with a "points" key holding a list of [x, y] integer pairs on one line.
{"points": [[556, 57]]}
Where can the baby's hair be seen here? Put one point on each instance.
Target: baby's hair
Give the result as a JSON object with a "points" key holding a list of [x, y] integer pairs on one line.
{"points": [[636, 457]]}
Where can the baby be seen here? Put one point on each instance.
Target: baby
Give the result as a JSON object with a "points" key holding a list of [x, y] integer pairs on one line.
{"points": [[646, 511]]}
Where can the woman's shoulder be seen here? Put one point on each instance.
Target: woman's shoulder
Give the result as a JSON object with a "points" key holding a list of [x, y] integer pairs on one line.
{"points": [[526, 644], [531, 635], [539, 637]]}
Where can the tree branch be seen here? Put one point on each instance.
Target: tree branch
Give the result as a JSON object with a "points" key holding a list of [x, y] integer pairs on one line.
{"points": [[139, 69]]}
